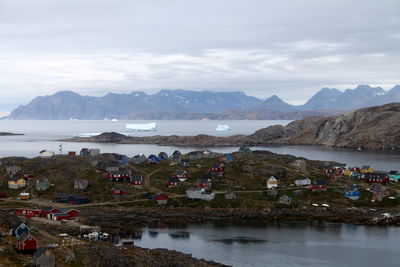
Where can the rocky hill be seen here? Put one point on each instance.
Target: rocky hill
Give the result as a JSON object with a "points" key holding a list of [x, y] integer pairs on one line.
{"points": [[374, 128]]}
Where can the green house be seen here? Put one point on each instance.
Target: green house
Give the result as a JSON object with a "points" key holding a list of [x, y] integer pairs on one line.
{"points": [[394, 176], [42, 184], [244, 150]]}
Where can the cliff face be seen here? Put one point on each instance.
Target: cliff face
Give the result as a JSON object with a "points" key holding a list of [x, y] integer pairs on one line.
{"points": [[375, 127]]}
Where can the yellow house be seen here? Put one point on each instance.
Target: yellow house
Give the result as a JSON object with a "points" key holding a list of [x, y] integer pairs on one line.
{"points": [[366, 169], [16, 183], [347, 173], [24, 196]]}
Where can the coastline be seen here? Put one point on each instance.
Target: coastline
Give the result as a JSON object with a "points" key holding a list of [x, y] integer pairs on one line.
{"points": [[172, 216]]}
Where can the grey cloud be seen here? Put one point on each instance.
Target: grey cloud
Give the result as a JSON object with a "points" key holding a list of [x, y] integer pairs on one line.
{"points": [[290, 48]]}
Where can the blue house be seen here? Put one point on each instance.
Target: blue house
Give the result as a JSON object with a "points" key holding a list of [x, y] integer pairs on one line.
{"points": [[124, 160], [163, 156], [153, 159], [71, 198], [357, 175], [352, 193], [19, 228]]}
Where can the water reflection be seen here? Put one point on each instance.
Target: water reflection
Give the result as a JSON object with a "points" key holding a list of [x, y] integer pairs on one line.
{"points": [[280, 243]]}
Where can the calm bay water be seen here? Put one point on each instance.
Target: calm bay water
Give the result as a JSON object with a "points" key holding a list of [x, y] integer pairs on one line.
{"points": [[284, 244], [41, 135]]}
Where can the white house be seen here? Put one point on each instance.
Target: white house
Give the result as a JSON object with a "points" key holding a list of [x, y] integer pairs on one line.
{"points": [[46, 153], [199, 193], [272, 182], [302, 182]]}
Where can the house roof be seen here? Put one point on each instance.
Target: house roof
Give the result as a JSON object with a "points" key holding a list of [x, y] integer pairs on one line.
{"points": [[67, 195], [137, 178], [23, 237], [180, 172], [177, 153], [375, 175], [14, 179], [202, 180], [16, 225], [378, 188], [66, 210], [80, 180], [173, 179], [320, 182], [217, 165], [49, 208], [118, 173], [39, 252], [117, 189]]}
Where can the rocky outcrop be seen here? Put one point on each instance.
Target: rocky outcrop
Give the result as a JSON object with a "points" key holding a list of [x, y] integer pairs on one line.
{"points": [[172, 140], [374, 128]]}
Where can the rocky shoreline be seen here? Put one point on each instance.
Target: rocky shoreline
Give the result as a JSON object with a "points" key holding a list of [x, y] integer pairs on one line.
{"points": [[172, 216], [346, 131]]}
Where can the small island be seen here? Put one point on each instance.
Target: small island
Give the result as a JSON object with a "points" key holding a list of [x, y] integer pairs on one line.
{"points": [[9, 134]]}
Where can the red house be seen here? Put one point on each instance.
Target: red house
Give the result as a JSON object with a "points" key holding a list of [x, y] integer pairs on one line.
{"points": [[161, 198], [118, 192], [173, 181], [118, 176], [71, 153], [58, 216], [204, 183], [318, 185], [377, 178], [29, 213], [3, 195], [27, 176], [137, 181], [47, 210], [26, 243], [218, 168], [181, 175], [71, 212]]}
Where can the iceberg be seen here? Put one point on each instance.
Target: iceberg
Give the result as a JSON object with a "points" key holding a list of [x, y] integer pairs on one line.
{"points": [[223, 127], [85, 135], [142, 127]]}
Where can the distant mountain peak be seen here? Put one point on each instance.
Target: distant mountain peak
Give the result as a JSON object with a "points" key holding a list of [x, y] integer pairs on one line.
{"points": [[275, 103]]}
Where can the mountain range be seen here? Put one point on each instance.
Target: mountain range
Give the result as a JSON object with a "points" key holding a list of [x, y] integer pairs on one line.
{"points": [[184, 104]]}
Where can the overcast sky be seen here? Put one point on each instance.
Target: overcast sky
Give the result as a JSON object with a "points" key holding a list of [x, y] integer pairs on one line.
{"points": [[291, 48]]}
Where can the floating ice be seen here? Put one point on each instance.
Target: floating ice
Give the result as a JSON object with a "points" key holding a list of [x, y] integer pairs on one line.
{"points": [[223, 127], [85, 135], [142, 127]]}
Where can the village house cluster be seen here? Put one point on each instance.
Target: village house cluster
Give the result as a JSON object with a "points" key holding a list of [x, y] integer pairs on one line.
{"points": [[366, 174]]}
